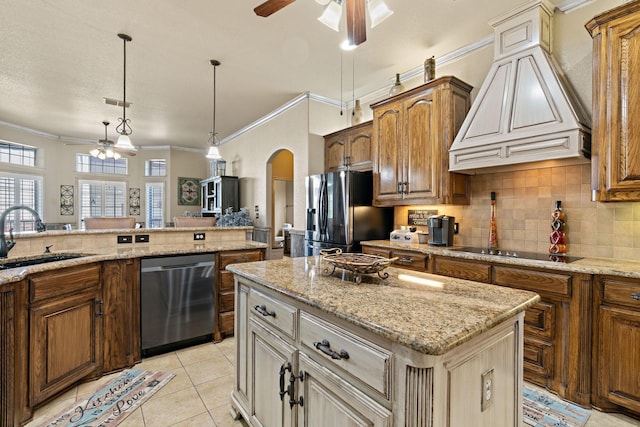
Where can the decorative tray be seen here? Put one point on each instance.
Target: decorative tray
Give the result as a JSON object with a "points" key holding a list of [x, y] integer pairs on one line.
{"points": [[355, 262]]}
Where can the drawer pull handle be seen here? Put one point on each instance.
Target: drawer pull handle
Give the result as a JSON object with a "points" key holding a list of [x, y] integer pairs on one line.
{"points": [[283, 370], [635, 296], [99, 307], [406, 260], [325, 347], [243, 259], [262, 309]]}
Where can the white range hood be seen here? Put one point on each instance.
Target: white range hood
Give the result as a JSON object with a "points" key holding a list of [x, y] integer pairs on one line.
{"points": [[524, 111]]}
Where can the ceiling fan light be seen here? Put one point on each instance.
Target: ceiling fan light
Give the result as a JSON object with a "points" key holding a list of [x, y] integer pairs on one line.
{"points": [[378, 11], [331, 16], [213, 153], [95, 152], [124, 143], [109, 152], [101, 155]]}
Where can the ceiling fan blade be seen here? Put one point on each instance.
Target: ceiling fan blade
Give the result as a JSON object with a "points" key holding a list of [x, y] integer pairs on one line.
{"points": [[356, 22], [271, 6]]}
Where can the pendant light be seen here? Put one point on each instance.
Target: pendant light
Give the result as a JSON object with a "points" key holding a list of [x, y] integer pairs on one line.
{"points": [[214, 153], [124, 128]]}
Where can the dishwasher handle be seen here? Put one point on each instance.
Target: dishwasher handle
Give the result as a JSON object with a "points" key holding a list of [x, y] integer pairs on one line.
{"points": [[176, 267]]}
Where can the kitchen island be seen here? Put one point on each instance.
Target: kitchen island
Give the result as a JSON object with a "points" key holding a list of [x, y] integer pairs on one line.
{"points": [[412, 349]]}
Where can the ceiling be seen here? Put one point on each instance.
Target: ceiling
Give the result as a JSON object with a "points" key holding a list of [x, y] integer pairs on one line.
{"points": [[61, 58]]}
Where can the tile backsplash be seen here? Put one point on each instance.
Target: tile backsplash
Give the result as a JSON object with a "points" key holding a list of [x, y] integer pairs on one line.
{"points": [[524, 203]]}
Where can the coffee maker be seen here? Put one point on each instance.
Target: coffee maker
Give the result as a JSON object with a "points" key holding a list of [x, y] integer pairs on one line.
{"points": [[441, 230]]}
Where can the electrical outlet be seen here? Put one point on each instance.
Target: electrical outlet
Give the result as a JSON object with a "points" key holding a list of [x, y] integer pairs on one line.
{"points": [[125, 239], [487, 390], [456, 228], [198, 236], [142, 238]]}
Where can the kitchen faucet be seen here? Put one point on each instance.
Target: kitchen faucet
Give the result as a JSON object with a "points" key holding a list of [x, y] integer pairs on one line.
{"points": [[7, 245]]}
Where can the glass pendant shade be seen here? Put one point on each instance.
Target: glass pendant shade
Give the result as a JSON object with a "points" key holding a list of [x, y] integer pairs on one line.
{"points": [[397, 87], [378, 12], [95, 152], [214, 153], [331, 15], [124, 143]]}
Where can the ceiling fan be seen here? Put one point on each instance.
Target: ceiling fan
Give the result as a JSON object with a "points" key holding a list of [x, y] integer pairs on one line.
{"points": [[106, 148], [356, 18]]}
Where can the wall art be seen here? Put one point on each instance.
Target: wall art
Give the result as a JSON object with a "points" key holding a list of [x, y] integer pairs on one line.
{"points": [[66, 200], [134, 201], [188, 191]]}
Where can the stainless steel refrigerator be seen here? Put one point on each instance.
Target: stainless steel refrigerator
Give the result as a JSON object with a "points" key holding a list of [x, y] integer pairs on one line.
{"points": [[339, 212]]}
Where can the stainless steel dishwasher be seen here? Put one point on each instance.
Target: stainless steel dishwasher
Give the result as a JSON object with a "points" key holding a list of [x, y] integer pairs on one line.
{"points": [[176, 299]]}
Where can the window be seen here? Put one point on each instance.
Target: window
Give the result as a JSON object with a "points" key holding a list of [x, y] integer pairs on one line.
{"points": [[17, 154], [155, 167], [102, 198], [22, 190], [88, 164], [155, 204]]}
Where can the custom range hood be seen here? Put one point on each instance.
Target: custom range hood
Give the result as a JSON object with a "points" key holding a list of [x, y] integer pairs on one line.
{"points": [[524, 111]]}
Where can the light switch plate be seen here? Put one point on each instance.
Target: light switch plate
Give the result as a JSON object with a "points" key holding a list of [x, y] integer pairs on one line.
{"points": [[487, 390]]}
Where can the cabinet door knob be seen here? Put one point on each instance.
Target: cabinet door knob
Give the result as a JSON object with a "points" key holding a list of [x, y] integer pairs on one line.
{"points": [[635, 296]]}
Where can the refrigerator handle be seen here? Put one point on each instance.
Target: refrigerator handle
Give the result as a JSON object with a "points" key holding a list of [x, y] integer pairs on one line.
{"points": [[323, 202]]}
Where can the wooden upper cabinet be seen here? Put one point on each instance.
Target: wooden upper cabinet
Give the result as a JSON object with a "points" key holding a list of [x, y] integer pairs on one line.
{"points": [[412, 133], [350, 148], [616, 103]]}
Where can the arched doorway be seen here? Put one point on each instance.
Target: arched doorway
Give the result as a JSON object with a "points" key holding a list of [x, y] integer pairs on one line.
{"points": [[279, 198]]}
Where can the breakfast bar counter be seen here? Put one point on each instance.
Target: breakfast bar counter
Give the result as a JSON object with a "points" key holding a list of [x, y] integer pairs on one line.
{"points": [[403, 350]]}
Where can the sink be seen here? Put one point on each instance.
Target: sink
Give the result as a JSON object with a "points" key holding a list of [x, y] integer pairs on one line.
{"points": [[36, 261]]}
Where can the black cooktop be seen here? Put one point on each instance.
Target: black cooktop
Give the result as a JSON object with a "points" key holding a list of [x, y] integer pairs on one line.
{"points": [[503, 253]]}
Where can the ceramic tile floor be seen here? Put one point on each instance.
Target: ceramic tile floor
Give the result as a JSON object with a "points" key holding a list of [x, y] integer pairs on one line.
{"points": [[198, 396]]}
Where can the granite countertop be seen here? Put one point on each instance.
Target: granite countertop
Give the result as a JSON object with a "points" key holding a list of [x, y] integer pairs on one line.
{"points": [[17, 274], [587, 265], [428, 313]]}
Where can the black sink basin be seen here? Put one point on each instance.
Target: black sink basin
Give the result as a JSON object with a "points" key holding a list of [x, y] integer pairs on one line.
{"points": [[35, 261]]}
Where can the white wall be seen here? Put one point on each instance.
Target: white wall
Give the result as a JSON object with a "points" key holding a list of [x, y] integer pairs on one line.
{"points": [[56, 163]]}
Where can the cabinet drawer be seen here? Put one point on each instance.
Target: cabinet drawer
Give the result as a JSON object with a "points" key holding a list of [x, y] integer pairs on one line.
{"points": [[463, 269], [274, 312], [624, 293], [410, 260], [226, 322], [227, 258], [226, 301], [536, 281], [386, 253], [365, 361], [538, 361], [226, 281], [72, 279], [539, 320]]}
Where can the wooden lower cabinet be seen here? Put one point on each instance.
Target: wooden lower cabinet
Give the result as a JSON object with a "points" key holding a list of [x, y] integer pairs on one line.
{"points": [[224, 292], [14, 339], [66, 338], [121, 294], [616, 345], [557, 329]]}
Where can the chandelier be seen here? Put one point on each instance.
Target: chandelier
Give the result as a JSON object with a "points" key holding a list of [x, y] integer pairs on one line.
{"points": [[124, 127]]}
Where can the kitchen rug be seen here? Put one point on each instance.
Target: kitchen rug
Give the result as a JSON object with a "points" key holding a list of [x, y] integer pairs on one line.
{"points": [[112, 402], [544, 410]]}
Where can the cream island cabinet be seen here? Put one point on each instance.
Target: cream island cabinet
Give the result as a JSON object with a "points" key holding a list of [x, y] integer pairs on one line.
{"points": [[414, 349]]}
